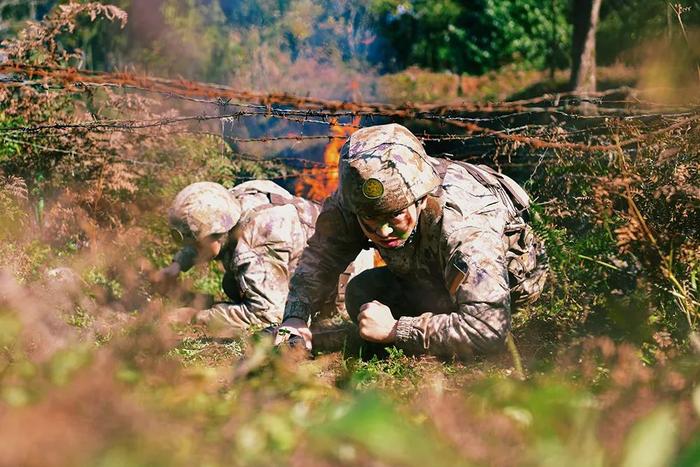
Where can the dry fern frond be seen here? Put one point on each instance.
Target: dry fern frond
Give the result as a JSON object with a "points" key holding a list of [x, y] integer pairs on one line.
{"points": [[14, 187]]}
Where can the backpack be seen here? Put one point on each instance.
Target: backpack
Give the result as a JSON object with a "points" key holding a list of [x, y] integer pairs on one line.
{"points": [[275, 195], [526, 258]]}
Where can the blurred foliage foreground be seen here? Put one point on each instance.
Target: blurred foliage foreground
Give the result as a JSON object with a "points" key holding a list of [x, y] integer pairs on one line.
{"points": [[91, 375]]}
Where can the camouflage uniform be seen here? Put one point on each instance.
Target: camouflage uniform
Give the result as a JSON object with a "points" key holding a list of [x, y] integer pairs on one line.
{"points": [[452, 285], [261, 252]]}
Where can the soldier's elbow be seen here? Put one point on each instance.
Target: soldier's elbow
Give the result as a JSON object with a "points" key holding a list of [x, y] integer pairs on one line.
{"points": [[494, 343], [494, 340]]}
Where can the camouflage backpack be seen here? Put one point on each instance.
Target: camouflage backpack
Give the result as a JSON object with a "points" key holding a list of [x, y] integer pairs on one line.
{"points": [[526, 257], [255, 194]]}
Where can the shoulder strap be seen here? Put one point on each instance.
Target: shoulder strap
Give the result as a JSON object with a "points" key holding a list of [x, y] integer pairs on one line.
{"points": [[520, 198], [433, 210], [492, 179]]}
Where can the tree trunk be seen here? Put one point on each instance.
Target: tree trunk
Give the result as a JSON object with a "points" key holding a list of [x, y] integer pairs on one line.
{"points": [[553, 44], [585, 21]]}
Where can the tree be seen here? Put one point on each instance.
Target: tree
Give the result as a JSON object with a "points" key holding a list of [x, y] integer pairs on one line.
{"points": [[472, 37], [583, 70]]}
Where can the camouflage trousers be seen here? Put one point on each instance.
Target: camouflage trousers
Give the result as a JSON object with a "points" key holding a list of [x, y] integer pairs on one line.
{"points": [[527, 264], [231, 317], [527, 270], [402, 298], [407, 299]]}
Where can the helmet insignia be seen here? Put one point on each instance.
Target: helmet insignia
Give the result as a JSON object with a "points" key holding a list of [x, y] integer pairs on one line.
{"points": [[372, 188]]}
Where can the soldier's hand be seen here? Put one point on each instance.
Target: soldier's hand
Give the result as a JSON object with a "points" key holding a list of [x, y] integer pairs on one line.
{"points": [[293, 327], [376, 323]]}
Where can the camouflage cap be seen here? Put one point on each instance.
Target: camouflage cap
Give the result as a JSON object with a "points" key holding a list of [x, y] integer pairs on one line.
{"points": [[384, 169], [203, 209]]}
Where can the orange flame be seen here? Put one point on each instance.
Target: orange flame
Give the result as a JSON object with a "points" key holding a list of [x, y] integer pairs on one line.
{"points": [[317, 183]]}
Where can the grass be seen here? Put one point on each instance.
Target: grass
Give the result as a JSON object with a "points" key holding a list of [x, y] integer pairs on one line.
{"points": [[151, 395], [510, 83], [92, 375], [207, 351]]}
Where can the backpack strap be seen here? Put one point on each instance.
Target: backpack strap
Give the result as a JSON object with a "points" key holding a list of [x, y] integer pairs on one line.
{"points": [[515, 197], [265, 187], [520, 198]]}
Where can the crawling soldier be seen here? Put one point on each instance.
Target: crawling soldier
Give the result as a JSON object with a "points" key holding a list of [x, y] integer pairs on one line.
{"points": [[258, 231], [459, 252]]}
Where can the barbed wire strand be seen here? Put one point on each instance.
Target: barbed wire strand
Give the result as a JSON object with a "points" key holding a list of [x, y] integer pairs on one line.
{"points": [[216, 91], [189, 88]]}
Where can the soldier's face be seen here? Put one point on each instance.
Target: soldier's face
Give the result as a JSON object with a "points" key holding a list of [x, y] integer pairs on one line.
{"points": [[391, 231], [209, 247]]}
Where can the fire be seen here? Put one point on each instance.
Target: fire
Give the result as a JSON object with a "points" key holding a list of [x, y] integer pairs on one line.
{"points": [[317, 183]]}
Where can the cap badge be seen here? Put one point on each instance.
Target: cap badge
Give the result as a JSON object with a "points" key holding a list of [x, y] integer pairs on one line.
{"points": [[372, 188]]}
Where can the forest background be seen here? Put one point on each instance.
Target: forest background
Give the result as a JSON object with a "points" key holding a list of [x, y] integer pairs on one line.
{"points": [[90, 374]]}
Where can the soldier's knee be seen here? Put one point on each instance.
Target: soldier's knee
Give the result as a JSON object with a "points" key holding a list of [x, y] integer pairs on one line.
{"points": [[355, 296], [494, 341], [363, 289], [232, 287]]}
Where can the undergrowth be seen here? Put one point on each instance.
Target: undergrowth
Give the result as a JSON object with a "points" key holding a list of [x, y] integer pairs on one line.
{"points": [[92, 374]]}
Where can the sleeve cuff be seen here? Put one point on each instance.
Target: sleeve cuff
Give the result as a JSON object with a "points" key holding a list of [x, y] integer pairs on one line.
{"points": [[297, 310], [404, 330], [186, 258]]}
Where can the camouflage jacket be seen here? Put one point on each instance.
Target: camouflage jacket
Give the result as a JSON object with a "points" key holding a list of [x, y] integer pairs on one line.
{"points": [[261, 252], [458, 252]]}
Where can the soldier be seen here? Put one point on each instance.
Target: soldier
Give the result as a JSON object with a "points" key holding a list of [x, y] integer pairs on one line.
{"points": [[258, 231], [454, 236]]}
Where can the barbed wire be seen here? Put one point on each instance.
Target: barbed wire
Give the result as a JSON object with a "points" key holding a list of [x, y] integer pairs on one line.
{"points": [[320, 169], [216, 93], [627, 112], [73, 152], [506, 134], [222, 95], [327, 112]]}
